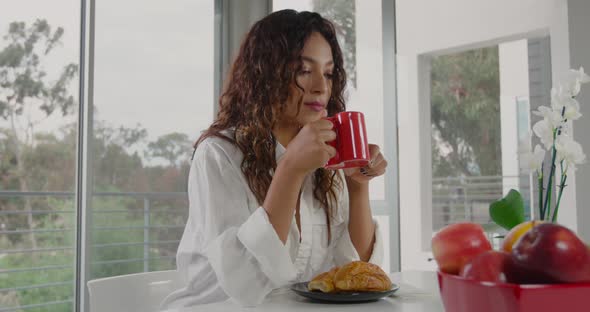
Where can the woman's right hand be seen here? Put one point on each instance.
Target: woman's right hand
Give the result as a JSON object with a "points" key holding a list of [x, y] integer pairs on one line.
{"points": [[308, 150]]}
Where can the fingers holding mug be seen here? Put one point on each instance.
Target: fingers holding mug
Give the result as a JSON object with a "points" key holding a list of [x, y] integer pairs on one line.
{"points": [[330, 150], [376, 170], [327, 135], [377, 165], [375, 154]]}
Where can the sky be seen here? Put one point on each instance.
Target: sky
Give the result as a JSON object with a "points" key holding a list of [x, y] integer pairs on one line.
{"points": [[298, 5], [154, 62]]}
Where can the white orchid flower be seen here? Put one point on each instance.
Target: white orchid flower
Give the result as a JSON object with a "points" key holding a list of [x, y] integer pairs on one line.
{"points": [[554, 131], [532, 161], [580, 75], [572, 113], [553, 117], [544, 131], [569, 150], [571, 88], [560, 98], [573, 80], [566, 128]]}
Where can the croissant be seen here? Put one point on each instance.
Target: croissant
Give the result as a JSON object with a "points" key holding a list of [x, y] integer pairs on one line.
{"points": [[361, 276], [323, 282], [354, 276]]}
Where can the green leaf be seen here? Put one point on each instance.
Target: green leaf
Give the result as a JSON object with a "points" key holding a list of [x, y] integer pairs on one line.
{"points": [[508, 211]]}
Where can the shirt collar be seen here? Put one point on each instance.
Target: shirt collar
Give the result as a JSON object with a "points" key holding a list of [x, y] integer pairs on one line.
{"points": [[279, 151]]}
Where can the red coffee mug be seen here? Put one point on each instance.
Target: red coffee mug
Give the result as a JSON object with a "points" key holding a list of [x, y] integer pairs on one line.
{"points": [[352, 147]]}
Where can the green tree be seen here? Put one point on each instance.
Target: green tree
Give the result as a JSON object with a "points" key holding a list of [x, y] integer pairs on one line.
{"points": [[172, 147], [465, 114], [120, 168], [28, 97], [342, 14], [32, 159], [116, 158]]}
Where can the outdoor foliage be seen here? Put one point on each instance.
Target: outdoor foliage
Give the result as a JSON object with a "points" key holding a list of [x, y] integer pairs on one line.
{"points": [[465, 112], [343, 17], [37, 160], [465, 119]]}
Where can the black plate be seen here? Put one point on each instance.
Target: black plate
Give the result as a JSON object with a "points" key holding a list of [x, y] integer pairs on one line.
{"points": [[301, 289]]}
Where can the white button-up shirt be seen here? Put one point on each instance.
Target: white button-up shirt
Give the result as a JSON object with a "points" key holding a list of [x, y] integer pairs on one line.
{"points": [[229, 248]]}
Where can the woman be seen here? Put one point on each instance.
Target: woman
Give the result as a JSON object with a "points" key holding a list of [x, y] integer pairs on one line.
{"points": [[264, 212]]}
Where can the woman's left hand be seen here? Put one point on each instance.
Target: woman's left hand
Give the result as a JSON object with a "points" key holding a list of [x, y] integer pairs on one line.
{"points": [[375, 168]]}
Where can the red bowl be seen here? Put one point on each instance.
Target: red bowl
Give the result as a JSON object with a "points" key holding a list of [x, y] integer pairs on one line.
{"points": [[466, 295]]}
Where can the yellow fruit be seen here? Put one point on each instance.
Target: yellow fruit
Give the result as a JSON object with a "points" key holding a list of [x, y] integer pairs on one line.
{"points": [[516, 232]]}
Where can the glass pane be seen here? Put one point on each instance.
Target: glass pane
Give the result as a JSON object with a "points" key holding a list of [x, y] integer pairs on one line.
{"points": [[358, 24], [153, 96], [39, 54], [479, 113], [359, 30], [466, 86]]}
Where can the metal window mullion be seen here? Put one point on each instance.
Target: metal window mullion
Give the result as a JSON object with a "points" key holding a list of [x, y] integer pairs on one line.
{"points": [[83, 165], [146, 234], [220, 58], [233, 18], [390, 127]]}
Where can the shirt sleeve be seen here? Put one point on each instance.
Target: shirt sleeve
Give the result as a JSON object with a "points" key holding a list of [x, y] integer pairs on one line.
{"points": [[243, 249], [344, 251]]}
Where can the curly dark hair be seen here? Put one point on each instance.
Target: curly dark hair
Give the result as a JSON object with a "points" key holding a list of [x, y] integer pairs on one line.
{"points": [[256, 93]]}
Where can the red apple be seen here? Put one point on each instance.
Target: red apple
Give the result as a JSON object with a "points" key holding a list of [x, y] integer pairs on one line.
{"points": [[516, 232], [551, 253], [489, 266], [521, 274], [456, 244]]}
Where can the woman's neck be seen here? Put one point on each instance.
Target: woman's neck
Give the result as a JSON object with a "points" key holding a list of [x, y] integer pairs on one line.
{"points": [[284, 134]]}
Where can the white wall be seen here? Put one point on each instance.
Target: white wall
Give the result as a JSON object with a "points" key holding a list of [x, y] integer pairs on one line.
{"points": [[514, 83], [579, 39], [429, 27]]}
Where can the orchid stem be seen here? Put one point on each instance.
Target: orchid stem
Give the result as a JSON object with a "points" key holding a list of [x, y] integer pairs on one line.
{"points": [[540, 181], [547, 206], [561, 186]]}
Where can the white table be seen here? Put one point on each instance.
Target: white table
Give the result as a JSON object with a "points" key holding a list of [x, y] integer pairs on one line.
{"points": [[418, 293]]}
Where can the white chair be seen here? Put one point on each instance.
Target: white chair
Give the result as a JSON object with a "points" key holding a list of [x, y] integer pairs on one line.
{"points": [[133, 292]]}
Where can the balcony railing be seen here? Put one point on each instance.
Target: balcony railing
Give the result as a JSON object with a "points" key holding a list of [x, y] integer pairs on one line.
{"points": [[467, 199], [453, 199], [144, 206]]}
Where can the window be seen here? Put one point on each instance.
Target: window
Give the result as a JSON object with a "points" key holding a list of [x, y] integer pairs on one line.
{"points": [[466, 87], [359, 32], [479, 113], [359, 29], [153, 95], [38, 137]]}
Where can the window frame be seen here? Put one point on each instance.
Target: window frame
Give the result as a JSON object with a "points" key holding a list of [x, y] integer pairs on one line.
{"points": [[228, 34]]}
